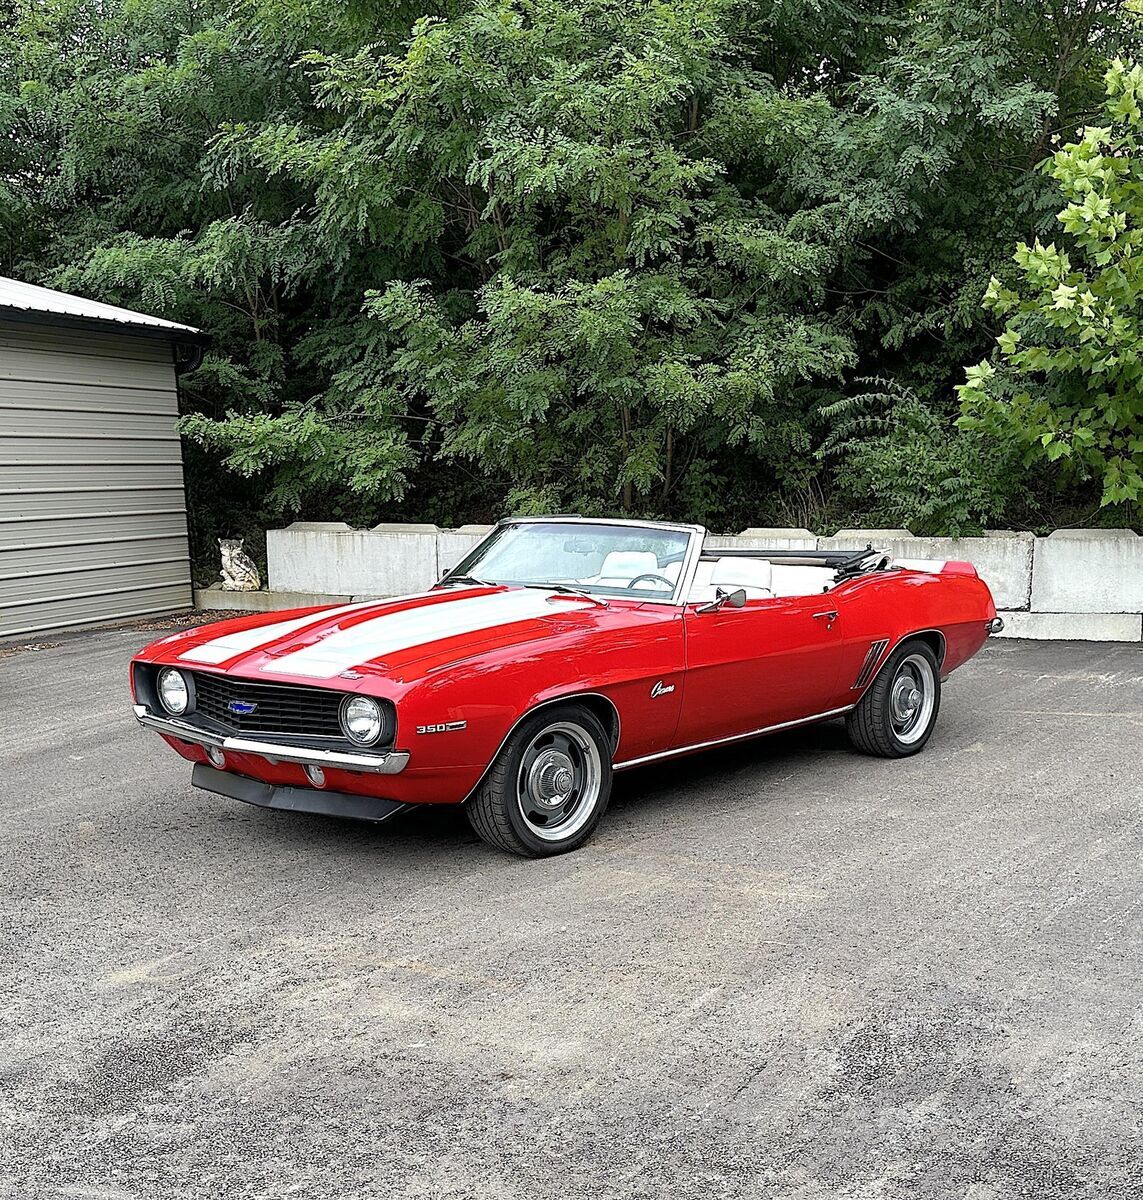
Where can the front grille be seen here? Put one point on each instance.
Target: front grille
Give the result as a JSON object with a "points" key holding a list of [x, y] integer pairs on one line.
{"points": [[279, 708]]}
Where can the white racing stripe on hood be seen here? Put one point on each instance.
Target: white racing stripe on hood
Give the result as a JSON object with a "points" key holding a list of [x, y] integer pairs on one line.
{"points": [[230, 644], [345, 648]]}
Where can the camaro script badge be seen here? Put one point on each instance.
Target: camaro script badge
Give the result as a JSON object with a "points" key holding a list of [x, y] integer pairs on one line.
{"points": [[242, 708], [662, 689]]}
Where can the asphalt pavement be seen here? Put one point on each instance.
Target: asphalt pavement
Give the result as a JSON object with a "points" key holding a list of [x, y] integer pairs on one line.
{"points": [[782, 971]]}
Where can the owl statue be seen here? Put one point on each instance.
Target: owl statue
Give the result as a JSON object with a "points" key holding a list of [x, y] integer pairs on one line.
{"points": [[239, 574]]}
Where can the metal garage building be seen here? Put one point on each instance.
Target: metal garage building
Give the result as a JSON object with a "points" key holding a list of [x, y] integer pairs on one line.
{"points": [[93, 520]]}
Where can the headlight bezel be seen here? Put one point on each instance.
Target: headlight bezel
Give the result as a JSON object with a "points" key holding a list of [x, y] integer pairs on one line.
{"points": [[384, 727], [188, 689]]}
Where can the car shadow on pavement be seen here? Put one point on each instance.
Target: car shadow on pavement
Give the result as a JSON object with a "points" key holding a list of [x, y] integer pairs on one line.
{"points": [[443, 830], [675, 781]]}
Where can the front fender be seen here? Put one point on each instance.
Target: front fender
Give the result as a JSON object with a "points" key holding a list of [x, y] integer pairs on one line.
{"points": [[455, 720]]}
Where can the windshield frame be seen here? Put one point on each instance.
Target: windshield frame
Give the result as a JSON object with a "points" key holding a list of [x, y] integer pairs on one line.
{"points": [[696, 534]]}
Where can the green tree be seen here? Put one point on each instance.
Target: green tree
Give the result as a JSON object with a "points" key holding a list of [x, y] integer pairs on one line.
{"points": [[606, 304], [896, 464], [522, 254], [110, 113], [1066, 381]]}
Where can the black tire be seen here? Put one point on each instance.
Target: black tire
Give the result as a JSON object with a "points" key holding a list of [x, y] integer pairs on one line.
{"points": [[509, 809], [877, 725]]}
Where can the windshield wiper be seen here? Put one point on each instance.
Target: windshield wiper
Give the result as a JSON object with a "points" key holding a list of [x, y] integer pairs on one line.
{"points": [[564, 590], [469, 579]]}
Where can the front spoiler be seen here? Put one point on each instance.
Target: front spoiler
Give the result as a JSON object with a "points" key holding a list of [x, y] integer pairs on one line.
{"points": [[294, 799], [391, 763]]}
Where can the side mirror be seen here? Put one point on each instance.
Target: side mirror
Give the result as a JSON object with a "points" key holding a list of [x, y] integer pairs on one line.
{"points": [[735, 599]]}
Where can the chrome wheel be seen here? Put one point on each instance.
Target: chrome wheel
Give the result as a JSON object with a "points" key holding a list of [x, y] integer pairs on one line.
{"points": [[559, 781], [912, 697]]}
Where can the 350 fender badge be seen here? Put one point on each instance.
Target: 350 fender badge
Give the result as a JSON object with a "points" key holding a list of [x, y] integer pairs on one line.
{"points": [[662, 689], [447, 727]]}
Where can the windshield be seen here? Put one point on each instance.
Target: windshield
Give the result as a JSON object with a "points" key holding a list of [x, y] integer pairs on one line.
{"points": [[614, 560]]}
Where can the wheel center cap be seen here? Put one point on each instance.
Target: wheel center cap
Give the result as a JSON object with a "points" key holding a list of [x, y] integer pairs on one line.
{"points": [[906, 701], [552, 778]]}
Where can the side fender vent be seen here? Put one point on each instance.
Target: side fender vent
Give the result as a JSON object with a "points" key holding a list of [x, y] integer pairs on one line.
{"points": [[871, 660]]}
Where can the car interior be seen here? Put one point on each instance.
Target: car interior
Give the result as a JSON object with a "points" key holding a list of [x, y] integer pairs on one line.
{"points": [[760, 578]]}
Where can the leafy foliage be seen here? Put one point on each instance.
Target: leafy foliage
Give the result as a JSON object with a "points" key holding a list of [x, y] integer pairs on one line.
{"points": [[897, 464], [1068, 380], [535, 254]]}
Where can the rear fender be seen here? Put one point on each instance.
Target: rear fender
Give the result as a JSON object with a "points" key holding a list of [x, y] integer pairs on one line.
{"points": [[951, 614], [933, 638], [937, 566]]}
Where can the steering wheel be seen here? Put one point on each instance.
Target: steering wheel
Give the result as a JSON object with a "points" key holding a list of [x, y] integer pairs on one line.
{"points": [[656, 578]]}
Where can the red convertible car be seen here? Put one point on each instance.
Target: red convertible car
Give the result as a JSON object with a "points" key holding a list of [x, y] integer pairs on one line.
{"points": [[559, 651]]}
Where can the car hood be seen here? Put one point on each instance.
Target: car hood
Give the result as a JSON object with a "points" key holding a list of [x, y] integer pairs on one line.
{"points": [[381, 637]]}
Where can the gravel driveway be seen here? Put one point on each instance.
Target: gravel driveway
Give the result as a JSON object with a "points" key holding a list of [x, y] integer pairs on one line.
{"points": [[782, 972]]}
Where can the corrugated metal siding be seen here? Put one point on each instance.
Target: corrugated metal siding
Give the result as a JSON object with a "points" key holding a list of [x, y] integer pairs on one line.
{"points": [[92, 509]]}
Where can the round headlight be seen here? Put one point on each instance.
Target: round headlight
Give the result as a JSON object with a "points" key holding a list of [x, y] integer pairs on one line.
{"points": [[174, 695], [362, 720]]}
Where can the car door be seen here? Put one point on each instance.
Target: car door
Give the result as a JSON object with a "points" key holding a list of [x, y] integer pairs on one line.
{"points": [[772, 661]]}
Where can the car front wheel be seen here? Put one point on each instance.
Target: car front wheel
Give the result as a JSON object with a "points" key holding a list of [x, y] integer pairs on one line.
{"points": [[896, 715], [549, 785]]}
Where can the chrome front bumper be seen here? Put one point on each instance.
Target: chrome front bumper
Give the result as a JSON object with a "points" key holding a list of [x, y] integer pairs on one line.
{"points": [[380, 764]]}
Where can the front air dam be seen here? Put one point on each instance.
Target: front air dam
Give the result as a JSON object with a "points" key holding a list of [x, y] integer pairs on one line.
{"points": [[294, 799]]}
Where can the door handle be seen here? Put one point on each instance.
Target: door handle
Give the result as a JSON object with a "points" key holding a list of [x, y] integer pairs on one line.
{"points": [[830, 616]]}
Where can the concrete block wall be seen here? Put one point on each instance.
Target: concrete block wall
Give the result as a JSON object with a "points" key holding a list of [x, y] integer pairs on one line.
{"points": [[387, 560], [1076, 584], [1088, 570]]}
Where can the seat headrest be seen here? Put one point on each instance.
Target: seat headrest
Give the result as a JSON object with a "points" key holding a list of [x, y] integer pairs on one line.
{"points": [[742, 572], [627, 564]]}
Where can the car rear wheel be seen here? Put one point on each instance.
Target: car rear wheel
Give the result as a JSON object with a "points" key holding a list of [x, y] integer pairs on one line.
{"points": [[549, 785], [895, 717]]}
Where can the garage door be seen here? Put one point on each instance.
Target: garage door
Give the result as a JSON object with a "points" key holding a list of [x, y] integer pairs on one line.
{"points": [[92, 509]]}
